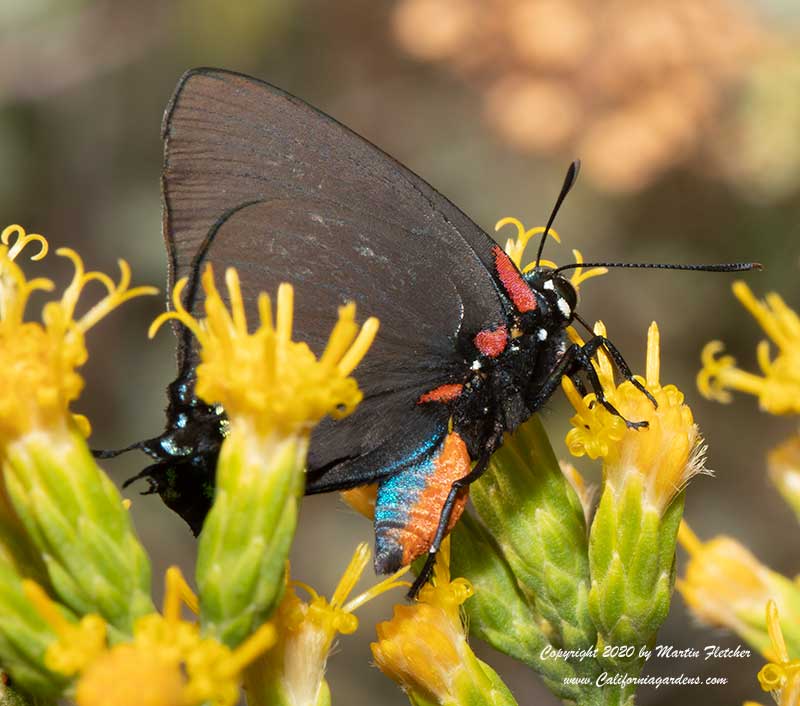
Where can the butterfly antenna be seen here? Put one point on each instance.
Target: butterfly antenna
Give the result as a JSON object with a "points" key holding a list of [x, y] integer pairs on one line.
{"points": [[569, 182], [583, 322], [724, 267]]}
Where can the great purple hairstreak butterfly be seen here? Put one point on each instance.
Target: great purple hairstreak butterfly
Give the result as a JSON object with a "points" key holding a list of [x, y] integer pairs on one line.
{"points": [[468, 349]]}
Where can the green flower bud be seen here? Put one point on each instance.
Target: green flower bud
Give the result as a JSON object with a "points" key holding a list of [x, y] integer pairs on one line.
{"points": [[632, 554], [537, 520], [500, 614], [24, 639], [246, 538], [75, 517], [71, 512]]}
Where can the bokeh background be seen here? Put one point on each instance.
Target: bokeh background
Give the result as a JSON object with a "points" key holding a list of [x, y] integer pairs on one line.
{"points": [[686, 114]]}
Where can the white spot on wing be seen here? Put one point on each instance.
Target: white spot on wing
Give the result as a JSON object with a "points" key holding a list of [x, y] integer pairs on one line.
{"points": [[563, 307], [549, 284], [541, 334]]}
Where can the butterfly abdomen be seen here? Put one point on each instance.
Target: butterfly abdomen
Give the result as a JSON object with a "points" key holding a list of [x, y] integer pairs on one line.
{"points": [[409, 504]]}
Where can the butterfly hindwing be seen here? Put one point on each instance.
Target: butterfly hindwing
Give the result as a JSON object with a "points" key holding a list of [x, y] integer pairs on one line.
{"points": [[257, 180]]}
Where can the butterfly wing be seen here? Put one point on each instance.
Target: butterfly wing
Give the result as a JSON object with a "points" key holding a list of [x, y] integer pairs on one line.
{"points": [[258, 180]]}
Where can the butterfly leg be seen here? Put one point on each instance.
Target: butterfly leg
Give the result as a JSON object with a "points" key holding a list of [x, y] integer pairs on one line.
{"points": [[583, 359], [113, 453], [579, 383], [577, 359], [624, 368]]}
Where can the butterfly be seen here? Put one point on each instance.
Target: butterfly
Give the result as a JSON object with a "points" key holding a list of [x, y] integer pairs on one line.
{"points": [[469, 346]]}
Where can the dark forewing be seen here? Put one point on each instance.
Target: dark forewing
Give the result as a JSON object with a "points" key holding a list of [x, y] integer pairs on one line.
{"points": [[258, 180]]}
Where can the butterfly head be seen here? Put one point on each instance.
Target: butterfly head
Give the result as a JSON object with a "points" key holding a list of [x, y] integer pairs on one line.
{"points": [[557, 291]]}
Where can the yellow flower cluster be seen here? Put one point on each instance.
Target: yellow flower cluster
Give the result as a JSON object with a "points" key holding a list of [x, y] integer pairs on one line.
{"points": [[264, 377], [725, 585], [166, 663], [778, 388], [666, 454], [38, 361], [424, 646]]}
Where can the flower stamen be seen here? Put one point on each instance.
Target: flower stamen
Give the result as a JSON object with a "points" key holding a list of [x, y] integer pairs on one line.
{"points": [[778, 388], [781, 676], [21, 241], [515, 249], [38, 378]]}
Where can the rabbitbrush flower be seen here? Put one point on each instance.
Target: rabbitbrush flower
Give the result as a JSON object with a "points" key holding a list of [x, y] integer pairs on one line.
{"points": [[71, 512], [726, 586], [633, 534], [273, 390], [166, 661], [424, 647], [293, 673], [778, 388]]}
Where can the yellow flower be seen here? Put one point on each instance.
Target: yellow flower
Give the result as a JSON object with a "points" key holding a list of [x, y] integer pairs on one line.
{"points": [[726, 586], [424, 646], [784, 470], [167, 662], [273, 391], [515, 248], [38, 361], [663, 456], [780, 677], [362, 499], [265, 378], [778, 388], [293, 672], [129, 676]]}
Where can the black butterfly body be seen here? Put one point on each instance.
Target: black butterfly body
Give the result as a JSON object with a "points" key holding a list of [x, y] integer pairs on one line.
{"points": [[468, 347]]}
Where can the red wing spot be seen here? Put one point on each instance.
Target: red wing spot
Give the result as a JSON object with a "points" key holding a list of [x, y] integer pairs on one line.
{"points": [[512, 280], [492, 342], [443, 393]]}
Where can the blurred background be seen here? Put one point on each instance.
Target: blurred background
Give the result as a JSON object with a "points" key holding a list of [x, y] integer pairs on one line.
{"points": [[686, 114]]}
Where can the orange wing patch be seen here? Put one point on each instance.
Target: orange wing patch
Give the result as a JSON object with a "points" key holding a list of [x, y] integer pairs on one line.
{"points": [[452, 462], [443, 393]]}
